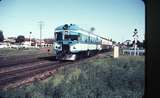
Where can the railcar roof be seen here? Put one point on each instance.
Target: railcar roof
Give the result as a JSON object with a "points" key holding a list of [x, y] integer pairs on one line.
{"points": [[76, 27], [70, 27]]}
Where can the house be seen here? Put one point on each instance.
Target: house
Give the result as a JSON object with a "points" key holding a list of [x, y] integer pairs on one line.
{"points": [[44, 42]]}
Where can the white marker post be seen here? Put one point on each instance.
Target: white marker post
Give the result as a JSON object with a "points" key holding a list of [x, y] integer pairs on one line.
{"points": [[116, 52]]}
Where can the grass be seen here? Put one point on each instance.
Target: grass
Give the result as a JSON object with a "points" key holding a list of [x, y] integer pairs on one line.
{"points": [[100, 78], [13, 52], [10, 53]]}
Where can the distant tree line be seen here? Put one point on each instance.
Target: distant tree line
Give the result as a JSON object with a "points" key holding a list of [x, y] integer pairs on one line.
{"points": [[1, 36], [139, 44]]}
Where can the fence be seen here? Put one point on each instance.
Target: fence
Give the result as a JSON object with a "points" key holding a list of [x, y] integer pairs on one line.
{"points": [[131, 52]]}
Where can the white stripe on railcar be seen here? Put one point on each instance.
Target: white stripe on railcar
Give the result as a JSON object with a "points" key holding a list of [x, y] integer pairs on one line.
{"points": [[84, 47]]}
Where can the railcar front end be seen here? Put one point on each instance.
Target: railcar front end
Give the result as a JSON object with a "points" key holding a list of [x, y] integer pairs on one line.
{"points": [[64, 45]]}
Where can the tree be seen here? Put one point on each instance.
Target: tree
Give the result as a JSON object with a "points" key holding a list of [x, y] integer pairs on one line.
{"points": [[1, 36], [20, 39], [139, 44], [128, 45], [92, 29], [114, 42]]}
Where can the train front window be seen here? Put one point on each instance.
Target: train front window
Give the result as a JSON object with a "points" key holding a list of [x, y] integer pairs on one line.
{"points": [[58, 36], [71, 37]]}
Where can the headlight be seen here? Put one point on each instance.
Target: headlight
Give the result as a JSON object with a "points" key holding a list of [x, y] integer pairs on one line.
{"points": [[74, 47], [57, 46]]}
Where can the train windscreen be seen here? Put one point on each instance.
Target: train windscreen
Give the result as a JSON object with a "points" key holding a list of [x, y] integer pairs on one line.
{"points": [[59, 36], [71, 37]]}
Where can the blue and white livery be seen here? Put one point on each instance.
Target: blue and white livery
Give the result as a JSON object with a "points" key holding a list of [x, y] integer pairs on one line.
{"points": [[71, 41]]}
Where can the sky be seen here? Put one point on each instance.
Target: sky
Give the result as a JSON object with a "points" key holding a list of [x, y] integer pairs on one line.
{"points": [[113, 19]]}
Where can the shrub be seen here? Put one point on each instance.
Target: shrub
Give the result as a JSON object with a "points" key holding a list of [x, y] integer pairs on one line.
{"points": [[102, 78]]}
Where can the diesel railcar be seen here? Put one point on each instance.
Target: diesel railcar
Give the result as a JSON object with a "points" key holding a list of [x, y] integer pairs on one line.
{"points": [[71, 41]]}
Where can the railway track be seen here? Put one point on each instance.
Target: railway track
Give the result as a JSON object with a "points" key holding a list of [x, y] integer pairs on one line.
{"points": [[17, 60], [11, 76]]}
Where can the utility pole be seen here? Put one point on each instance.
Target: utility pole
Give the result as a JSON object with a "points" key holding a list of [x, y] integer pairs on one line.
{"points": [[135, 36], [30, 37], [40, 24]]}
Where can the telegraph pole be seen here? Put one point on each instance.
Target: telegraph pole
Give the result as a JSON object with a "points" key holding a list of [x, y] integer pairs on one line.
{"points": [[40, 24], [135, 36], [30, 38]]}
